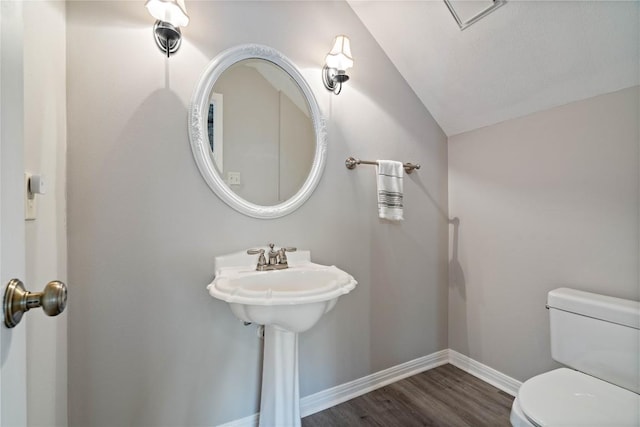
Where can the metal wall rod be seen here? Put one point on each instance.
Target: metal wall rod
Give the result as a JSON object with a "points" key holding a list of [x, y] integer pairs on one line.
{"points": [[352, 162]]}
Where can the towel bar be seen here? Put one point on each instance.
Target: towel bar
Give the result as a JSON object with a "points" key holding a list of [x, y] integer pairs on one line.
{"points": [[351, 163]]}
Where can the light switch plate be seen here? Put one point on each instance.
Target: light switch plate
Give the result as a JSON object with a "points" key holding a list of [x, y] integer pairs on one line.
{"points": [[29, 200], [233, 178]]}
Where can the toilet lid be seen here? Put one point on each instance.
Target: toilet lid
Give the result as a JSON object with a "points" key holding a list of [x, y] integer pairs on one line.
{"points": [[566, 397]]}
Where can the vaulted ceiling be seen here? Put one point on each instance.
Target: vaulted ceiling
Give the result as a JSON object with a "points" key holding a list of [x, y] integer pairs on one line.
{"points": [[524, 57]]}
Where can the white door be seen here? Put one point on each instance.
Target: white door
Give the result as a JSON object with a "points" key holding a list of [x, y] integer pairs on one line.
{"points": [[13, 389]]}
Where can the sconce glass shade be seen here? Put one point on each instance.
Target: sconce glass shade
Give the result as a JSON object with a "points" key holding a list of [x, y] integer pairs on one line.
{"points": [[172, 11], [340, 56]]}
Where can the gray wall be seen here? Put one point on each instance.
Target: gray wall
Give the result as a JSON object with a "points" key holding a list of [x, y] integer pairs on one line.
{"points": [[147, 345], [543, 201]]}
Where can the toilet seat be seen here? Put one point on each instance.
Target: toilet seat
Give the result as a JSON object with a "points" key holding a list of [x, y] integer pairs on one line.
{"points": [[567, 397], [517, 417]]}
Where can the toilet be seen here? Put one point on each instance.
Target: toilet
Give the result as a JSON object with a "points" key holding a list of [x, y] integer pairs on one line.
{"points": [[598, 337]]}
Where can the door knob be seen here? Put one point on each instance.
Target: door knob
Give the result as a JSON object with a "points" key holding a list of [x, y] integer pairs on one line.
{"points": [[17, 300]]}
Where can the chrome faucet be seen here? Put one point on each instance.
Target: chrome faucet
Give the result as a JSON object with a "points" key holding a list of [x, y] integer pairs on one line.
{"points": [[273, 255], [277, 258]]}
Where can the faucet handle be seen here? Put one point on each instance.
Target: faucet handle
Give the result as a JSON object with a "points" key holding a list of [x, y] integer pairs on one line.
{"points": [[261, 259], [283, 256]]}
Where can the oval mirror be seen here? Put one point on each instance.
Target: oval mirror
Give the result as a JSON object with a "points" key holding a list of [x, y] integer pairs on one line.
{"points": [[256, 132]]}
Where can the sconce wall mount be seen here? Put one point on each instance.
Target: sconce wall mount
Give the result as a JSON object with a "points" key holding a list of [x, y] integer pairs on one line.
{"points": [[333, 79], [168, 38], [170, 16], [337, 62]]}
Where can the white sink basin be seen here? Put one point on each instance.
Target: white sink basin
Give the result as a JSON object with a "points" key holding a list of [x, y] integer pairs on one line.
{"points": [[293, 299], [286, 302]]}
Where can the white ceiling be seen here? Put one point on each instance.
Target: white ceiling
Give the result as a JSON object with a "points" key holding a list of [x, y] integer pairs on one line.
{"points": [[526, 56]]}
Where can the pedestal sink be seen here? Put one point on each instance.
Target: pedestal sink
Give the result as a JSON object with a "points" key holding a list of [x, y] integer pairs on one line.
{"points": [[286, 302]]}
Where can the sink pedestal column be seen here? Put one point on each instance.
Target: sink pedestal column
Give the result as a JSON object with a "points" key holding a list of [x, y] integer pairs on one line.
{"points": [[280, 398]]}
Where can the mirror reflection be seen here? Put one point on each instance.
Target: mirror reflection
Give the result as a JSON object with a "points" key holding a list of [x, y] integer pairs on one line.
{"points": [[260, 132]]}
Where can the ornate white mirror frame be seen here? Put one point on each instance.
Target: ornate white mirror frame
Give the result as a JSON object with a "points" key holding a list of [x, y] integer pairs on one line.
{"points": [[198, 112]]}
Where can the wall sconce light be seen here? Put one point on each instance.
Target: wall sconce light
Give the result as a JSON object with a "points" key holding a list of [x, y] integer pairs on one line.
{"points": [[170, 15], [336, 64]]}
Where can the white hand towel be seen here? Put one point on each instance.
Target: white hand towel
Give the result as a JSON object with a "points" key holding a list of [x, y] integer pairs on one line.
{"points": [[390, 192]]}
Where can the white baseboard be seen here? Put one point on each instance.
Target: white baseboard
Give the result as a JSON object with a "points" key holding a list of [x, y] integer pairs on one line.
{"points": [[250, 421], [326, 399], [334, 396], [485, 373]]}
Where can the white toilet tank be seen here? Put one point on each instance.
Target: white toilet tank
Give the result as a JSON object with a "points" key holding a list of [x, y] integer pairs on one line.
{"points": [[596, 334]]}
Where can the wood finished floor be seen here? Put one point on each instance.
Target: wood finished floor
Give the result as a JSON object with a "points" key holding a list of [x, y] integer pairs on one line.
{"points": [[445, 396]]}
